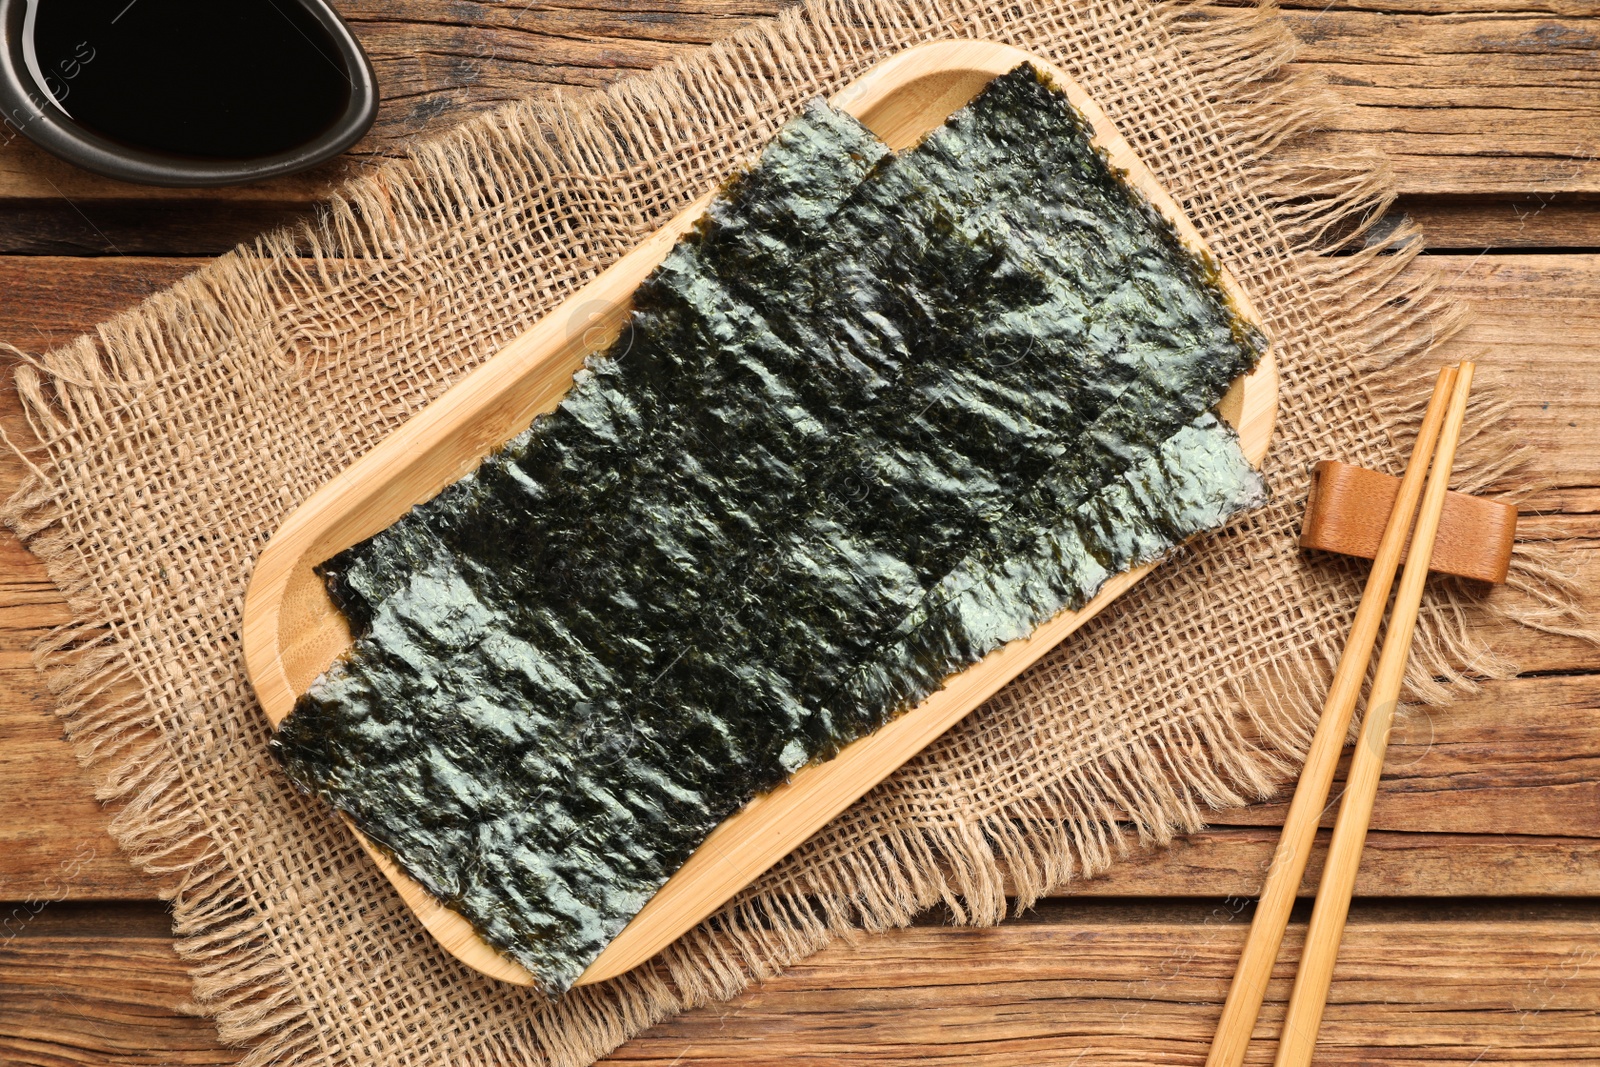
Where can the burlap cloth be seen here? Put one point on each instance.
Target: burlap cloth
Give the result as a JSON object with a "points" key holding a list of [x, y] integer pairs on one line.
{"points": [[178, 436]]}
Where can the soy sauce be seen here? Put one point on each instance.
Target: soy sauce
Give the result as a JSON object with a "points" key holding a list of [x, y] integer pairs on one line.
{"points": [[217, 79]]}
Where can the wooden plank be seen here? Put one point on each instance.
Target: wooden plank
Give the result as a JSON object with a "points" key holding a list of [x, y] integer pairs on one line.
{"points": [[1466, 102], [1536, 651], [1526, 222], [1536, 327], [64, 851], [1106, 986], [1576, 8], [1096, 987], [137, 227], [1520, 757], [98, 986], [1487, 103], [51, 299], [1231, 861], [1076, 982], [53, 834]]}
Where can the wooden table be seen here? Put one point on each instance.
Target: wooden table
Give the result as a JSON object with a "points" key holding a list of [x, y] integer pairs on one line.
{"points": [[1476, 935]]}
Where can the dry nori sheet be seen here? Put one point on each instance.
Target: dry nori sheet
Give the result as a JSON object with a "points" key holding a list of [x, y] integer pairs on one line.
{"points": [[877, 415]]}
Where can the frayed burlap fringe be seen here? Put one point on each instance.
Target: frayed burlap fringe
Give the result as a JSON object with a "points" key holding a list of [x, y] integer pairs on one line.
{"points": [[178, 436]]}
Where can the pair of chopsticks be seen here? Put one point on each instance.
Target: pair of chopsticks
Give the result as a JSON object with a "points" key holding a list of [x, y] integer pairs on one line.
{"points": [[1442, 426]]}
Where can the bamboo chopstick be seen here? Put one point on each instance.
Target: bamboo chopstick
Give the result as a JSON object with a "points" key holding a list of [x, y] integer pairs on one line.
{"points": [[1305, 810], [1310, 995]]}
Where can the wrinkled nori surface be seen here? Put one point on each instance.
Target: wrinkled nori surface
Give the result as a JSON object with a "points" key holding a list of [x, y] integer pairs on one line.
{"points": [[879, 414]]}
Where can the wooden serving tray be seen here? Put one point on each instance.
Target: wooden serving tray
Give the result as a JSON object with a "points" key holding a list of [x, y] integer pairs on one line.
{"points": [[293, 632]]}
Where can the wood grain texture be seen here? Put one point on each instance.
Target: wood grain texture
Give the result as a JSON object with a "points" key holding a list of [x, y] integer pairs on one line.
{"points": [[1543, 222], [1075, 983], [102, 986], [49, 300], [53, 833], [1231, 861], [97, 986], [1466, 101], [1135, 986], [1520, 757]]}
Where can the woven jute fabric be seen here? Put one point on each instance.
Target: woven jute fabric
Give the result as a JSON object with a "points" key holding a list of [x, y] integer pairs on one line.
{"points": [[178, 436]]}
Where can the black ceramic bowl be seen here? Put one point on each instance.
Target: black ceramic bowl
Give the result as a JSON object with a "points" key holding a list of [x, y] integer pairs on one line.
{"points": [[36, 114]]}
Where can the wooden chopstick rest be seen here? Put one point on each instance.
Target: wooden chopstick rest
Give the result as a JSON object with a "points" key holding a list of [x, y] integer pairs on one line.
{"points": [[1349, 507]]}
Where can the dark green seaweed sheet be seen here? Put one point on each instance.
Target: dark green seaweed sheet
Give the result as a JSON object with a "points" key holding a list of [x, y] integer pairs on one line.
{"points": [[879, 414]]}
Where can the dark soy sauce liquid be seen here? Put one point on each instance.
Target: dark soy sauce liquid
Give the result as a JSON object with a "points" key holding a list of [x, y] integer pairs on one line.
{"points": [[219, 79]]}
